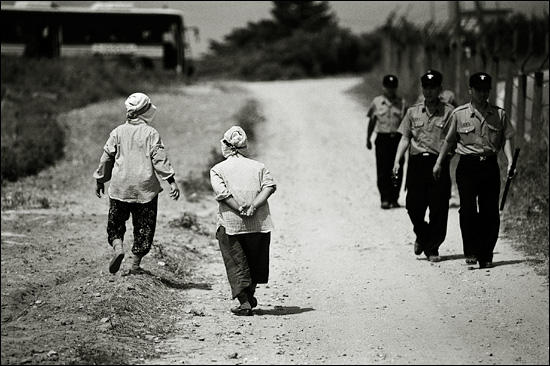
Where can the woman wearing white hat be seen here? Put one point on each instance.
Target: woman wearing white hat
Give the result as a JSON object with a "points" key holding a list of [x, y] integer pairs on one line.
{"points": [[132, 158]]}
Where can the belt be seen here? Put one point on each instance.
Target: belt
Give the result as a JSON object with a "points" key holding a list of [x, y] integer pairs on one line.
{"points": [[479, 157], [389, 134]]}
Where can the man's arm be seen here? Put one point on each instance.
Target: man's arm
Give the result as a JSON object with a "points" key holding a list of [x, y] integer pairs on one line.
{"points": [[508, 153], [442, 154], [370, 129], [401, 148]]}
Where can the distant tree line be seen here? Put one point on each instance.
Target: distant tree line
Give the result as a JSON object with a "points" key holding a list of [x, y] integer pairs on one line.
{"points": [[303, 39]]}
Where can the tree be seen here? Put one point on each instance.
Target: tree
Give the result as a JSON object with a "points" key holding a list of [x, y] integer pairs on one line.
{"points": [[310, 16]]}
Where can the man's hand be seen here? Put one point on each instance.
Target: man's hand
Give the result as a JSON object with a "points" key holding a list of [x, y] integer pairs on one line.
{"points": [[395, 169], [99, 189], [369, 144], [174, 191], [511, 172], [436, 171]]}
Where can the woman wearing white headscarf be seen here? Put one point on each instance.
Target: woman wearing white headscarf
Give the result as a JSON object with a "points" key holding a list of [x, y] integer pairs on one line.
{"points": [[242, 187], [132, 158]]}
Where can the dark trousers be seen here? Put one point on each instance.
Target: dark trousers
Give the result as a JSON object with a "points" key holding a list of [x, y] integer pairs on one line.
{"points": [[386, 148], [144, 220], [478, 183], [424, 192], [246, 259]]}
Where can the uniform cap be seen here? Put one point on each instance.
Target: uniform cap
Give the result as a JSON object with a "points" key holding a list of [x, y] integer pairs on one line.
{"points": [[390, 81], [431, 78], [481, 81]]}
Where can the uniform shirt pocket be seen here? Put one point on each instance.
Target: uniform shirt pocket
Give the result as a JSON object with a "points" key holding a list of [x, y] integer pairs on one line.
{"points": [[439, 131], [382, 110], [467, 135], [417, 128], [494, 135]]}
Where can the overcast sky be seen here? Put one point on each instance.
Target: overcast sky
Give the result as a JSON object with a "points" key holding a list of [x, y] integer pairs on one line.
{"points": [[215, 19]]}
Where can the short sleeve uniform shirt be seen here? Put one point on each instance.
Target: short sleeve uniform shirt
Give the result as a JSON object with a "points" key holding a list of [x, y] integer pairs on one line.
{"points": [[426, 131], [479, 134]]}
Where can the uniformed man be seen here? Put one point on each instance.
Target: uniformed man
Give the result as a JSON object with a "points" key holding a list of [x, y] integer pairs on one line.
{"points": [[385, 114], [424, 129], [480, 130]]}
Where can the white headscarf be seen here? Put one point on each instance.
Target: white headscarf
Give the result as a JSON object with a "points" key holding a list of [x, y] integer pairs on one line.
{"points": [[234, 142], [139, 107]]}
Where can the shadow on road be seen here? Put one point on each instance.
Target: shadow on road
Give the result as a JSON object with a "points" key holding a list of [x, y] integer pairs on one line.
{"points": [[185, 286], [179, 285], [283, 310], [451, 257]]}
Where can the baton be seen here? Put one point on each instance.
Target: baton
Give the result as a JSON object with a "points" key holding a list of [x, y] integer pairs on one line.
{"points": [[509, 180]]}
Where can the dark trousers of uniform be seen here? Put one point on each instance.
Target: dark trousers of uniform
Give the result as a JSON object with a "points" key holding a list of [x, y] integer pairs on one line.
{"points": [[386, 148], [144, 220], [246, 259], [478, 183], [423, 193]]}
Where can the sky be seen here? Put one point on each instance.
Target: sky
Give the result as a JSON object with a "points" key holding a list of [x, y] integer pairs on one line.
{"points": [[215, 19]]}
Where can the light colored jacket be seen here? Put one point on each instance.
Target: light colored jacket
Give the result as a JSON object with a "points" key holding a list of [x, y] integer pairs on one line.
{"points": [[133, 156]]}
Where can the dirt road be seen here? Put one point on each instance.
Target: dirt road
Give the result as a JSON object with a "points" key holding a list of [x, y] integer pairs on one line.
{"points": [[345, 286]]}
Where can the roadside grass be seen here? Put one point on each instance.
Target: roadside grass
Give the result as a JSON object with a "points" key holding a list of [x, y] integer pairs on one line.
{"points": [[524, 220], [526, 213]]}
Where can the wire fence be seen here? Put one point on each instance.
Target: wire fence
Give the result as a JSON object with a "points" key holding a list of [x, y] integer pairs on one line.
{"points": [[516, 57]]}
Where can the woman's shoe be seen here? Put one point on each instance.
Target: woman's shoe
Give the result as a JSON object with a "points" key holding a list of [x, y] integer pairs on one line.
{"points": [[242, 310], [252, 300], [417, 248], [485, 264]]}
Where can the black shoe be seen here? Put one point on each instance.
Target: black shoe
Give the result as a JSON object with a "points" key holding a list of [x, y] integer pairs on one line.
{"points": [[485, 265], [252, 300], [394, 205], [434, 258], [471, 260], [385, 205], [242, 310], [114, 266], [417, 248]]}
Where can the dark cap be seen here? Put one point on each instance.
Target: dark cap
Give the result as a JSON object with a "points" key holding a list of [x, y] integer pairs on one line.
{"points": [[481, 81], [431, 78], [390, 81]]}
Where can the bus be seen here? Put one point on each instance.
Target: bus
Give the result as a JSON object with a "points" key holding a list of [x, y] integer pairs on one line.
{"points": [[46, 29]]}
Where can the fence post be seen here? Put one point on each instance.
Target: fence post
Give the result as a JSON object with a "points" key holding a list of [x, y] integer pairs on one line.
{"points": [[387, 44], [495, 64], [536, 115], [522, 96], [509, 86], [510, 68]]}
